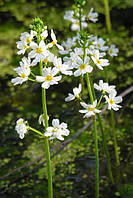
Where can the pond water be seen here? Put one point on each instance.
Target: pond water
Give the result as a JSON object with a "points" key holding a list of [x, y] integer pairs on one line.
{"points": [[74, 167]]}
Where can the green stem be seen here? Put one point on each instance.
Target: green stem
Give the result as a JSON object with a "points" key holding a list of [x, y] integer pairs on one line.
{"points": [[100, 100], [82, 84], [104, 140], [80, 99], [106, 75], [115, 139], [95, 138], [106, 150], [80, 21], [113, 128], [89, 87], [36, 131], [96, 156], [44, 106], [33, 74], [32, 79], [107, 15]]}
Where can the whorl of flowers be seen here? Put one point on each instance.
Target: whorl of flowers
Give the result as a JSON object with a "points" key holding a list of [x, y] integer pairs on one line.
{"points": [[36, 49]]}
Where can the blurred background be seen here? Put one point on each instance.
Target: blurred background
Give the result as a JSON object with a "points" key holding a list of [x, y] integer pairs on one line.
{"points": [[22, 169]]}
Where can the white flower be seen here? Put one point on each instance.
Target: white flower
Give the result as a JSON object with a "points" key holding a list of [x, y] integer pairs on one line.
{"points": [[69, 15], [49, 57], [57, 130], [41, 119], [67, 45], [99, 62], [89, 110], [72, 60], [113, 51], [25, 63], [54, 42], [28, 36], [39, 52], [104, 87], [76, 92], [112, 101], [100, 44], [21, 127], [22, 46], [83, 66], [63, 68], [76, 24], [92, 52], [92, 16], [48, 77], [44, 34], [23, 73]]}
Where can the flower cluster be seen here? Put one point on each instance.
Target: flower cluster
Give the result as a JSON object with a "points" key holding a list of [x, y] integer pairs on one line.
{"points": [[109, 93], [82, 55], [57, 130], [74, 19], [36, 50]]}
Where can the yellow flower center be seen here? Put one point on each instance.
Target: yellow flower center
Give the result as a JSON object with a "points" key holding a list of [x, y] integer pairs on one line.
{"points": [[55, 129], [53, 43], [99, 45], [20, 122], [48, 78], [25, 46], [111, 101], [42, 37], [45, 60], [58, 66], [39, 50], [28, 40], [78, 23], [82, 66], [98, 61], [23, 75], [91, 108], [111, 52], [104, 90]]}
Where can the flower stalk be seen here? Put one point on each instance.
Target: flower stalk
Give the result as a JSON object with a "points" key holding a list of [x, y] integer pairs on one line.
{"points": [[114, 130], [106, 149], [107, 15], [114, 138], [95, 138], [104, 140], [47, 150]]}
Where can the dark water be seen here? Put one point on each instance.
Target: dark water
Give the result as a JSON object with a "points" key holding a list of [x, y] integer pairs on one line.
{"points": [[73, 167]]}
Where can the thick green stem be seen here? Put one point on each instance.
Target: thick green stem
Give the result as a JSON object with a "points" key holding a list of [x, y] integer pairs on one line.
{"points": [[89, 87], [107, 15], [115, 139], [96, 156], [44, 106], [95, 138]]}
